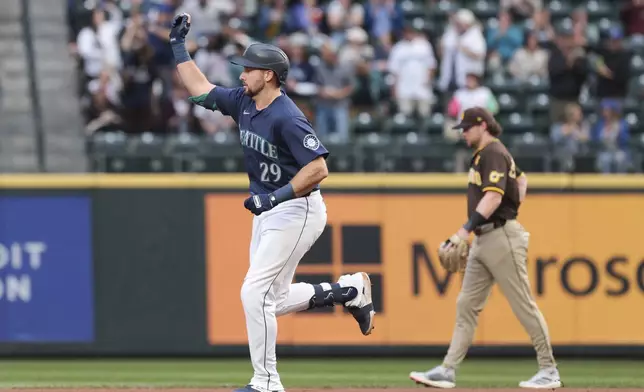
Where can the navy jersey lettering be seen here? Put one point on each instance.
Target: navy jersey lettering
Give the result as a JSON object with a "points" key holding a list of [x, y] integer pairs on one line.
{"points": [[277, 141]]}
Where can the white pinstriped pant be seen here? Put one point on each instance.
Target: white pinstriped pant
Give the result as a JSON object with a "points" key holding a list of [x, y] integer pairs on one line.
{"points": [[280, 238]]}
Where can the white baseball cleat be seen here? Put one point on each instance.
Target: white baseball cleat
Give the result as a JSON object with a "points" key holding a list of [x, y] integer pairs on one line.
{"points": [[547, 378], [438, 377], [361, 307]]}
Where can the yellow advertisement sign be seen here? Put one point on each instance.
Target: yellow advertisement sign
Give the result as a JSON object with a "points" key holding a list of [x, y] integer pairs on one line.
{"points": [[586, 267]]}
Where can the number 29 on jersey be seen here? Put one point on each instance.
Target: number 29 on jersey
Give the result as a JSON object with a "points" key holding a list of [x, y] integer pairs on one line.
{"points": [[271, 172]]}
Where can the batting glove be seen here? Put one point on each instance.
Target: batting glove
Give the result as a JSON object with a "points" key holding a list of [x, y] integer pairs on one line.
{"points": [[179, 30], [260, 203]]}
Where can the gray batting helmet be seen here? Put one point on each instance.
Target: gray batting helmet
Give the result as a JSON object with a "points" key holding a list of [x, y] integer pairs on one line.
{"points": [[265, 56]]}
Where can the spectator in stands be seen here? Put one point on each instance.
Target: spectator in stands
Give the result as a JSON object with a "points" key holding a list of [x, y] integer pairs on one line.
{"points": [[570, 135], [612, 134], [77, 17], [521, 9], [185, 118], [301, 75], [335, 86], [473, 94], [79, 14], [580, 27], [359, 55], [212, 121], [613, 66], [529, 61], [567, 70], [206, 15], [632, 17], [356, 49], [503, 41], [212, 62], [303, 16], [412, 63], [341, 16], [138, 75], [541, 26], [99, 50], [271, 19], [383, 20], [159, 19], [463, 51]]}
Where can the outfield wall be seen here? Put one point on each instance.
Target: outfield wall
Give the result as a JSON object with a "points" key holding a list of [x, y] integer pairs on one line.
{"points": [[153, 264]]}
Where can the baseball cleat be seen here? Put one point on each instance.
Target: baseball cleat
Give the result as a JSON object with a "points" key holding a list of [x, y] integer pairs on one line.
{"points": [[361, 307], [247, 388], [438, 377], [250, 388], [544, 379]]}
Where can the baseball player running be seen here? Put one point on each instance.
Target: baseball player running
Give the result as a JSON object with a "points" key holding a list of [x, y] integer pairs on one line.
{"points": [[496, 188], [285, 162]]}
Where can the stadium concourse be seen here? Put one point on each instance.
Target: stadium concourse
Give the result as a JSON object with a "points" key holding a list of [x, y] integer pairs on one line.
{"points": [[564, 77]]}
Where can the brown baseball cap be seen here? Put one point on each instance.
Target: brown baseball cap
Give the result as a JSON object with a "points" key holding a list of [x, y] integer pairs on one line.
{"points": [[474, 116]]}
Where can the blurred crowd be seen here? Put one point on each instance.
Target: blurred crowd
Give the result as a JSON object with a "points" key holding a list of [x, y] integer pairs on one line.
{"points": [[347, 57]]}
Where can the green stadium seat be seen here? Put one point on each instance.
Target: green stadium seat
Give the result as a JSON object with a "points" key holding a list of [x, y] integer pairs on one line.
{"points": [[419, 153], [433, 125], [635, 43], [598, 10], [516, 123], [412, 9], [373, 151], [500, 85], [146, 153], [538, 103], [441, 10], [589, 105], [219, 152], [636, 87], [531, 151], [365, 122], [342, 157], [559, 9], [484, 9], [634, 122], [101, 147], [508, 103], [183, 144], [637, 65], [631, 105], [535, 85], [400, 124], [107, 143]]}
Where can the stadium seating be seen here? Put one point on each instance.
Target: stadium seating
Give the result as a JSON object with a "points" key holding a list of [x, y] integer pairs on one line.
{"points": [[390, 142]]}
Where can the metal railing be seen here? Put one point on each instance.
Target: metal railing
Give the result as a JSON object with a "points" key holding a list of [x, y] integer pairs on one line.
{"points": [[33, 84]]}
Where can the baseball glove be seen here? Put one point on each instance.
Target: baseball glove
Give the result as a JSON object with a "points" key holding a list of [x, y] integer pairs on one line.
{"points": [[454, 258]]}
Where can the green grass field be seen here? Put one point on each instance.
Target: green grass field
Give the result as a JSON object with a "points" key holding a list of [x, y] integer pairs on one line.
{"points": [[305, 373]]}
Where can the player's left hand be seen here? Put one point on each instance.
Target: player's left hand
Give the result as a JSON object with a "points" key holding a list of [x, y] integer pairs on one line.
{"points": [[180, 28], [260, 203], [453, 253]]}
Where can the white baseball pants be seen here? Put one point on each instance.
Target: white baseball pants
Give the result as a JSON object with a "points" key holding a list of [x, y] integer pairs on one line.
{"points": [[280, 238]]}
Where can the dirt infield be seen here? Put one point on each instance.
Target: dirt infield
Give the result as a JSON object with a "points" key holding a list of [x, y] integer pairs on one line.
{"points": [[418, 389]]}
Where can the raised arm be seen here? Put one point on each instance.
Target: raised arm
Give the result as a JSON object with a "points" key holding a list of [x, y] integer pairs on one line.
{"points": [[193, 79]]}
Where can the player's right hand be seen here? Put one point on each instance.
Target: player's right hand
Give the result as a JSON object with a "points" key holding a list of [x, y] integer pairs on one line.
{"points": [[260, 203], [180, 28]]}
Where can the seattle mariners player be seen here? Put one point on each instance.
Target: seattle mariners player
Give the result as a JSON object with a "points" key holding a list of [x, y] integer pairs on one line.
{"points": [[285, 162]]}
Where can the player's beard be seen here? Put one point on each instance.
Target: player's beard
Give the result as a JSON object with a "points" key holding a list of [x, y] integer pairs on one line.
{"points": [[252, 92]]}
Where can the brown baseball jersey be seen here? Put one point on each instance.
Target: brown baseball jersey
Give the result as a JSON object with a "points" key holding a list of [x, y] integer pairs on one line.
{"points": [[492, 169]]}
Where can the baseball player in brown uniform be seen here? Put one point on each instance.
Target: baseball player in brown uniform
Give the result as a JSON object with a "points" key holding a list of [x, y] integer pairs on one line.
{"points": [[496, 188]]}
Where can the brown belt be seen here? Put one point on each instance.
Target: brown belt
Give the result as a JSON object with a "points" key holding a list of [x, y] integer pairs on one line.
{"points": [[487, 227]]}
